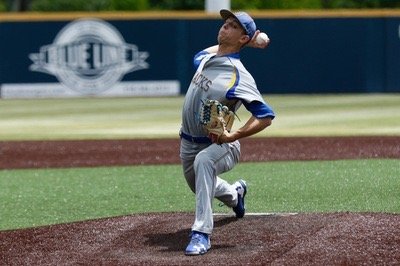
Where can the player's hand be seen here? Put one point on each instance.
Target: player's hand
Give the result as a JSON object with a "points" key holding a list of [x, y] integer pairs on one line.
{"points": [[226, 137], [252, 43]]}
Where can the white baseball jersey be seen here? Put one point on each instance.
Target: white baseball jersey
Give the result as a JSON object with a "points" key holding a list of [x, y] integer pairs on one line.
{"points": [[225, 79]]}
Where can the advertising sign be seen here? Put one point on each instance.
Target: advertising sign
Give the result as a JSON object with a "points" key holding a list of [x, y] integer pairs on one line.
{"points": [[89, 57]]}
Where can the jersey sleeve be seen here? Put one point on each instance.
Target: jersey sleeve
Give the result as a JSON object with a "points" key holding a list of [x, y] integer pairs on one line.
{"points": [[244, 88], [260, 109], [198, 58]]}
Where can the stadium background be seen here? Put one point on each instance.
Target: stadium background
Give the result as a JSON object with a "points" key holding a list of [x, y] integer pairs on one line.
{"points": [[310, 51]]}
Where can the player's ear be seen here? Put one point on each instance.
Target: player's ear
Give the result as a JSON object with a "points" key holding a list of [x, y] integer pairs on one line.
{"points": [[244, 39]]}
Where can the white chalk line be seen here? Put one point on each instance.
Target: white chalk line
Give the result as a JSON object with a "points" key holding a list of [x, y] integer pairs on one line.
{"points": [[259, 214]]}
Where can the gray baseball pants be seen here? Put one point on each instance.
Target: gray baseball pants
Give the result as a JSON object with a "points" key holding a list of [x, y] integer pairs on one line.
{"points": [[202, 163]]}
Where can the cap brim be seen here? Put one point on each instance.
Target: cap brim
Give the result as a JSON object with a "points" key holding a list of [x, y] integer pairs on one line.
{"points": [[225, 14]]}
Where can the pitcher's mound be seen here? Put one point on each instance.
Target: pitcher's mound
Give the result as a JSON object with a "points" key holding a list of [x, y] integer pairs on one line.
{"points": [[160, 239]]}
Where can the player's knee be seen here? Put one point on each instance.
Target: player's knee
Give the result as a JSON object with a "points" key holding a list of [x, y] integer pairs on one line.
{"points": [[202, 160]]}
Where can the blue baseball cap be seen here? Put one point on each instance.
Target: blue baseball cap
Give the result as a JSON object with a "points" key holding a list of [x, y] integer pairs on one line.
{"points": [[245, 20]]}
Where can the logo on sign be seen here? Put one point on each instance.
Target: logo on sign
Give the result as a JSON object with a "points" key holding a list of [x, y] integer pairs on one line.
{"points": [[89, 56]]}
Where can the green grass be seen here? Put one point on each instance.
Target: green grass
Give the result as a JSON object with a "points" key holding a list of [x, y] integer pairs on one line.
{"points": [[117, 118], [37, 197], [325, 186], [90, 118], [47, 196], [336, 115]]}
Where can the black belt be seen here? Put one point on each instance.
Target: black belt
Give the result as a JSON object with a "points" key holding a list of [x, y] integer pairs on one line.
{"points": [[195, 139]]}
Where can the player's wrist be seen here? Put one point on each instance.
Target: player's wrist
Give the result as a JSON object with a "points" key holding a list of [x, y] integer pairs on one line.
{"points": [[232, 136]]}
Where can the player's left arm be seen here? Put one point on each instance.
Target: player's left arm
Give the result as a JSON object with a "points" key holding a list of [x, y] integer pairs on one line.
{"points": [[262, 116], [252, 126]]}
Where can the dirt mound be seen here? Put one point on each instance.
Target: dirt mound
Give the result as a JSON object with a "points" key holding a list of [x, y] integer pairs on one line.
{"points": [[160, 239]]}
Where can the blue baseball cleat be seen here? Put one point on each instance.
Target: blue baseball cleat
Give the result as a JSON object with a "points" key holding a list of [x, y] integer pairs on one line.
{"points": [[241, 188], [199, 244]]}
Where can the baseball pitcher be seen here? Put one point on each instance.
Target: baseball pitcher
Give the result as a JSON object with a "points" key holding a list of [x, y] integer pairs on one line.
{"points": [[209, 146]]}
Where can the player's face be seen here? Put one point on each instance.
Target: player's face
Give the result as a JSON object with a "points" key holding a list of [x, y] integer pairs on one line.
{"points": [[232, 33]]}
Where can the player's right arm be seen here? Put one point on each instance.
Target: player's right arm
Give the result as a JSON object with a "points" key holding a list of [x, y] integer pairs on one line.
{"points": [[212, 49], [252, 43], [202, 54]]}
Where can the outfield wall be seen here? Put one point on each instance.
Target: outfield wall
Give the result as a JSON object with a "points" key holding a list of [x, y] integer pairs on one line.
{"points": [[149, 54]]}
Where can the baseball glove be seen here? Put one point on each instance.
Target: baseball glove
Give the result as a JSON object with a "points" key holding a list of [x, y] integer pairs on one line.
{"points": [[216, 118]]}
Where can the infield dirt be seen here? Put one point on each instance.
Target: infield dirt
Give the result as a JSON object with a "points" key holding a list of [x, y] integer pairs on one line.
{"points": [[160, 238]]}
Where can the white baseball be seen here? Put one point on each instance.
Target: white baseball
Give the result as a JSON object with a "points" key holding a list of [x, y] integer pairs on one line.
{"points": [[262, 38]]}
